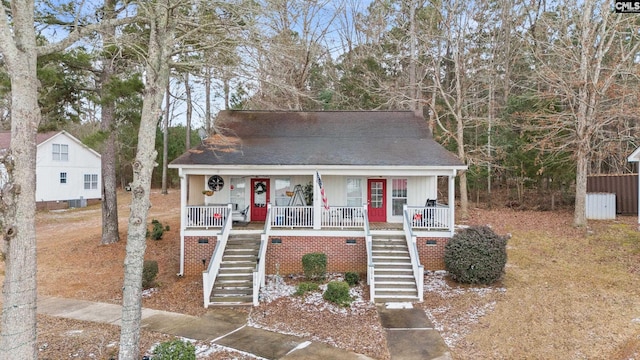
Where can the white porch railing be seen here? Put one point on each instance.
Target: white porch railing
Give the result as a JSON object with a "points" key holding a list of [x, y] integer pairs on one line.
{"points": [[209, 276], [291, 216], [259, 272], [344, 217], [429, 217], [418, 269], [207, 216]]}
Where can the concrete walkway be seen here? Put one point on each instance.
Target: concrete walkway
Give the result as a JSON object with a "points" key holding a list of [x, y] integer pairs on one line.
{"points": [[221, 326], [409, 333]]}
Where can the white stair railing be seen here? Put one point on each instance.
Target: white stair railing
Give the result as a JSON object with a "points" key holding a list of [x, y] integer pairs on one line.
{"points": [[368, 239], [259, 272], [418, 269], [209, 275]]}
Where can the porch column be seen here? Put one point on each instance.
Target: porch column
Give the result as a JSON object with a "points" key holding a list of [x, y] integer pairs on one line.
{"points": [[452, 202], [183, 216], [317, 203]]}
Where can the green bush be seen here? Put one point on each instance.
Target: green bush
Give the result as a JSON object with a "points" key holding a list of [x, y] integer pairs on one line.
{"points": [[352, 278], [338, 292], [476, 255], [175, 350], [149, 273], [314, 266], [157, 231], [306, 287]]}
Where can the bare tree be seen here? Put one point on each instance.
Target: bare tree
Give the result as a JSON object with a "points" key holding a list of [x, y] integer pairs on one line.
{"points": [[160, 17], [18, 46], [452, 81], [288, 43], [585, 62], [20, 52]]}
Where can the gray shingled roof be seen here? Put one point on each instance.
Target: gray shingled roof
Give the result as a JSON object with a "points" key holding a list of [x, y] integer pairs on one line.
{"points": [[365, 138], [5, 138]]}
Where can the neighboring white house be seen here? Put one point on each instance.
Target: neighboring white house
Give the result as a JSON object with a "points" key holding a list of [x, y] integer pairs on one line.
{"points": [[635, 157], [68, 173]]}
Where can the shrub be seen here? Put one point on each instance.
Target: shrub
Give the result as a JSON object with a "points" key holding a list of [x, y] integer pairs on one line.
{"points": [[149, 273], [338, 292], [476, 255], [175, 350], [314, 266], [352, 278], [157, 231], [305, 287]]}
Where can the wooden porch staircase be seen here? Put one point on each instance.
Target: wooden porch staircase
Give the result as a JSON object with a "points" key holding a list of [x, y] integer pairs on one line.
{"points": [[234, 283], [393, 273]]}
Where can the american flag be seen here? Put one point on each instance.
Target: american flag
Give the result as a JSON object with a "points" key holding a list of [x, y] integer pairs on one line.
{"points": [[325, 203]]}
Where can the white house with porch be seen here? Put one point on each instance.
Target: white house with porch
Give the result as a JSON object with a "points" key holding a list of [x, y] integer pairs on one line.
{"points": [[371, 189]]}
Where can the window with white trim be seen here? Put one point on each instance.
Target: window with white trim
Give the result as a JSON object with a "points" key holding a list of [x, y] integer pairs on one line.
{"points": [[63, 178], [282, 187], [354, 192], [90, 181], [398, 195], [60, 152], [236, 193]]}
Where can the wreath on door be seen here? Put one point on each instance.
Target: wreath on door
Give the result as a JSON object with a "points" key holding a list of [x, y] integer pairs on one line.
{"points": [[260, 188]]}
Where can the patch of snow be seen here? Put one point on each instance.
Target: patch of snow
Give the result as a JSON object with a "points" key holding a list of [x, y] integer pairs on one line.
{"points": [[399, 305], [302, 345], [275, 288], [148, 292], [74, 332], [206, 350], [436, 284]]}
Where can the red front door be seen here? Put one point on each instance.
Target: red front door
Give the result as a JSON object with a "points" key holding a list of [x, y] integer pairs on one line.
{"points": [[259, 199], [376, 200]]}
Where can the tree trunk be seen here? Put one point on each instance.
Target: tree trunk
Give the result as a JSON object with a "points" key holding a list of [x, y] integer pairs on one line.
{"points": [[165, 138], [161, 40], [207, 99], [110, 230], [18, 194], [187, 88], [580, 214]]}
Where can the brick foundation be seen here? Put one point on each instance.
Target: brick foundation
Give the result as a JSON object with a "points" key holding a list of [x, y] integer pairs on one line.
{"points": [[287, 254], [196, 250], [341, 257], [432, 256]]}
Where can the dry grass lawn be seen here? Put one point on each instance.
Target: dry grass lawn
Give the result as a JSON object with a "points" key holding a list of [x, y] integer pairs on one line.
{"points": [[567, 293]]}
